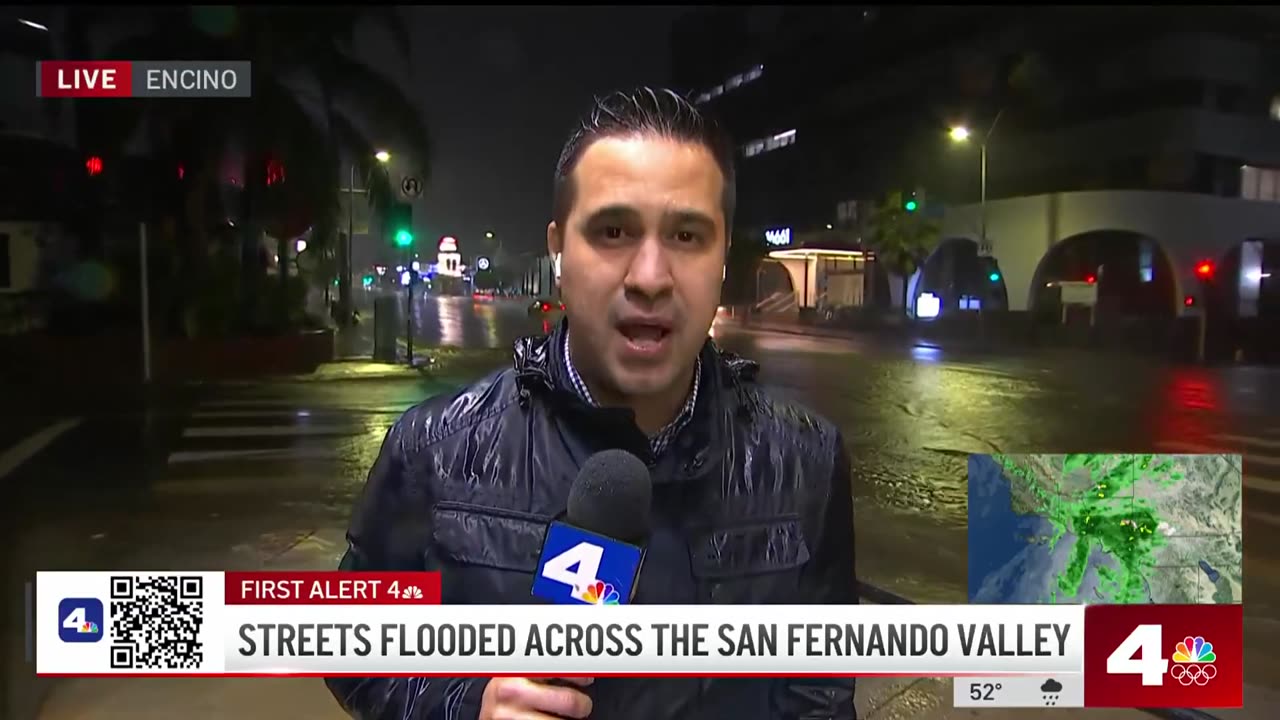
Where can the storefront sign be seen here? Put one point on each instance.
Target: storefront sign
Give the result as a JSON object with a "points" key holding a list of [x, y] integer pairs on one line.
{"points": [[778, 237]]}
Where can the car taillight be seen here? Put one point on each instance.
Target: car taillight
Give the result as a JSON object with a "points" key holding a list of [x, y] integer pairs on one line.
{"points": [[546, 307], [561, 306]]}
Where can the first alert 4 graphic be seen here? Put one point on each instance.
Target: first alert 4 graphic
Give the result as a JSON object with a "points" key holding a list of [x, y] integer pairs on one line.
{"points": [[328, 589]]}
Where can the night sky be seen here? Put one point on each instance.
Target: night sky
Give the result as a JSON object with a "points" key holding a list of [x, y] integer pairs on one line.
{"points": [[500, 88]]}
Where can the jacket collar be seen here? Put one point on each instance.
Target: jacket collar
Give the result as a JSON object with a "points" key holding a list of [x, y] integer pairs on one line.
{"points": [[539, 368]]}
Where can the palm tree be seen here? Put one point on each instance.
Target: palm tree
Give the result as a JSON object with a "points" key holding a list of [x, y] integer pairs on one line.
{"points": [[311, 99], [902, 239]]}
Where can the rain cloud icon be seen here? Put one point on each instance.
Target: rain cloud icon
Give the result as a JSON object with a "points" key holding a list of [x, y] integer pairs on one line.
{"points": [[1051, 686]]}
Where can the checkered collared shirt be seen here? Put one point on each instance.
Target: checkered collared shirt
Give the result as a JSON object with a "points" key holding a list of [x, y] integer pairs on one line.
{"points": [[659, 442]]}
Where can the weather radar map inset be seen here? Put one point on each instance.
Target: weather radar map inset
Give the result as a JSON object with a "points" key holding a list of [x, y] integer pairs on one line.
{"points": [[1105, 528]]}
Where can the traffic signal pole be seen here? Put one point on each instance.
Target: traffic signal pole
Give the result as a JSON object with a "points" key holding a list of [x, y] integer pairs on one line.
{"points": [[1204, 271], [408, 306], [1204, 331]]}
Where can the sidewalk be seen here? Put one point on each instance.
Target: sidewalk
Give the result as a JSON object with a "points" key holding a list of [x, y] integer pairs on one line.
{"points": [[888, 336]]}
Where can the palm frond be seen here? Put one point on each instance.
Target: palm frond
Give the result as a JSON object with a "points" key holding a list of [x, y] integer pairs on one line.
{"points": [[384, 108], [381, 194]]}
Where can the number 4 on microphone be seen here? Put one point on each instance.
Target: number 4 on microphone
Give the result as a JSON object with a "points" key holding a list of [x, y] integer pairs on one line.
{"points": [[585, 557], [580, 567]]}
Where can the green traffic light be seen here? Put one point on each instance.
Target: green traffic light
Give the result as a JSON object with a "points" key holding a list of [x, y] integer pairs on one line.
{"points": [[404, 238], [994, 277], [910, 206]]}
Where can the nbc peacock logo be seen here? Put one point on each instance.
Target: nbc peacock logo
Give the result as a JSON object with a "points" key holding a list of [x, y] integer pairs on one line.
{"points": [[600, 593], [1193, 660]]}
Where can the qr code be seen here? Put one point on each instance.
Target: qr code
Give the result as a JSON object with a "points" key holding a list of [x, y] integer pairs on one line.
{"points": [[156, 621]]}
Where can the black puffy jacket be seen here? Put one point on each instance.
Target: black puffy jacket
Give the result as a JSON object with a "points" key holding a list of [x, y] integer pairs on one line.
{"points": [[752, 504]]}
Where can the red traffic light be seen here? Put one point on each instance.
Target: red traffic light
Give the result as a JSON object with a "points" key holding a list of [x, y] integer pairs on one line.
{"points": [[1189, 301], [275, 172], [546, 307], [1091, 279], [93, 165], [1204, 269]]}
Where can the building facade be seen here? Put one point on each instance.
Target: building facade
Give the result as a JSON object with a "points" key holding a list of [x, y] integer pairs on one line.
{"points": [[1140, 141]]}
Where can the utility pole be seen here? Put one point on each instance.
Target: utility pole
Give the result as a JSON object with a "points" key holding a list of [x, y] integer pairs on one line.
{"points": [[146, 304], [345, 291]]}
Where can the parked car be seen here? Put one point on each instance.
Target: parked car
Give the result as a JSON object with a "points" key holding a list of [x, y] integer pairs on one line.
{"points": [[546, 308]]}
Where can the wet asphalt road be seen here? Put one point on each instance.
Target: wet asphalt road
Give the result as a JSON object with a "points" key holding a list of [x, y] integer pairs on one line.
{"points": [[264, 475]]}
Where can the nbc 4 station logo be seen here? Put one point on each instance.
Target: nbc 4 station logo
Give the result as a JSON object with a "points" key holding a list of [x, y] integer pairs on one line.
{"points": [[580, 567], [1192, 660], [80, 620], [1168, 656]]}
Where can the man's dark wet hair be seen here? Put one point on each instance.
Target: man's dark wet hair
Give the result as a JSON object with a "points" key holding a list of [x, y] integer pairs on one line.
{"points": [[644, 111]]}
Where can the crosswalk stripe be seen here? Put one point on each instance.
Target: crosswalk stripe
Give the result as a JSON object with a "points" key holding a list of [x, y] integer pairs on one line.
{"points": [[1248, 440], [1269, 518], [1251, 480], [31, 445], [252, 402], [1260, 483], [266, 427], [1181, 446], [304, 412], [197, 456], [272, 431]]}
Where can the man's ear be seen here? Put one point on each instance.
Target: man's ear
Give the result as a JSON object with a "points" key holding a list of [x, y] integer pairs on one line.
{"points": [[555, 239]]}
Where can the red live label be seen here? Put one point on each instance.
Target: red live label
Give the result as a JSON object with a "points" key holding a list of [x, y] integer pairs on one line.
{"points": [[333, 588], [86, 78], [1164, 656]]}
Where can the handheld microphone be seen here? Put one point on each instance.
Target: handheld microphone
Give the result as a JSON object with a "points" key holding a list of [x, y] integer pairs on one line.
{"points": [[594, 557]]}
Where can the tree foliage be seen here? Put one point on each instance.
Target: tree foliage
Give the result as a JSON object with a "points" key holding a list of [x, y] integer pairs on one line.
{"points": [[312, 103], [901, 240]]}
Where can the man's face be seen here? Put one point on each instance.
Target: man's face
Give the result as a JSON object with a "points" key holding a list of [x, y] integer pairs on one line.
{"points": [[642, 259]]}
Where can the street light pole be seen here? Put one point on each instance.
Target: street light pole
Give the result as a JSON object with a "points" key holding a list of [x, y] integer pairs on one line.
{"points": [[982, 202], [348, 269], [351, 223]]}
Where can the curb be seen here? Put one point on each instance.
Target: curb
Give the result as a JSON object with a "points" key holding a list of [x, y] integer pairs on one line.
{"points": [[905, 341], [880, 596]]}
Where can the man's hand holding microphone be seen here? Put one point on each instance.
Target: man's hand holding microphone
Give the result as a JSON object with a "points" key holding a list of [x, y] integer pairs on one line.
{"points": [[515, 698]]}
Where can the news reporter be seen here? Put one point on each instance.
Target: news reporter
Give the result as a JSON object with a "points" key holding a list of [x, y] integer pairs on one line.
{"points": [[751, 494]]}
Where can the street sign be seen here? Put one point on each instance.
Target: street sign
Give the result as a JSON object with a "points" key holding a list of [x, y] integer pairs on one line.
{"points": [[410, 186], [1075, 292], [354, 209]]}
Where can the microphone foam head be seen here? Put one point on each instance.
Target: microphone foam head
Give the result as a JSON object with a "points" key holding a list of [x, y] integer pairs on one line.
{"points": [[612, 496]]}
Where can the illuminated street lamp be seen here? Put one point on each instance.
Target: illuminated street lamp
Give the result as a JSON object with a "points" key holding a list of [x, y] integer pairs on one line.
{"points": [[488, 236], [382, 156]]}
